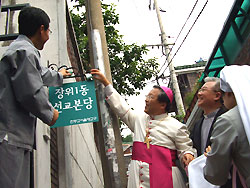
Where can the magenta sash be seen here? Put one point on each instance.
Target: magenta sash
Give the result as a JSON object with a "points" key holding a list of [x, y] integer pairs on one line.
{"points": [[160, 160]]}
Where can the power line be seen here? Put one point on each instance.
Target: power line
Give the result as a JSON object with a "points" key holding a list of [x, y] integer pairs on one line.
{"points": [[183, 26], [186, 36], [179, 34]]}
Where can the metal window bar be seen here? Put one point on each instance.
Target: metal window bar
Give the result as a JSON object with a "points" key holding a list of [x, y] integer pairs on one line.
{"points": [[0, 8], [223, 52], [10, 36], [237, 32], [245, 13], [7, 22]]}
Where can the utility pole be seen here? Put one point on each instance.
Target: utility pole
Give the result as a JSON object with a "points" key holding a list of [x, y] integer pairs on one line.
{"points": [[110, 142], [173, 78]]}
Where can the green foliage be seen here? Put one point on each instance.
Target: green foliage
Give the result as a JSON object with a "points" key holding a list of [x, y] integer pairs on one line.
{"points": [[128, 68], [189, 96], [179, 117], [128, 138]]}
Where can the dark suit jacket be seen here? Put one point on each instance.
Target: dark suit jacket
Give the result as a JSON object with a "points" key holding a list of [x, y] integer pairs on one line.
{"points": [[196, 132]]}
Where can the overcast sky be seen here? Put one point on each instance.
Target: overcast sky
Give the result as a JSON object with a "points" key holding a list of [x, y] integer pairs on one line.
{"points": [[140, 25]]}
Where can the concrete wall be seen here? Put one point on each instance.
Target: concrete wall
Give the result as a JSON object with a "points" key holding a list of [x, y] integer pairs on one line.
{"points": [[85, 159], [79, 161]]}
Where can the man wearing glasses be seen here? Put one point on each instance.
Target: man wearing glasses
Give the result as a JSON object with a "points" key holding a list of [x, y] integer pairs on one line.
{"points": [[211, 102], [23, 97], [158, 137]]}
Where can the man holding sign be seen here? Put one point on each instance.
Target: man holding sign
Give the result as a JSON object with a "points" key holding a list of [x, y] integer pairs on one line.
{"points": [[23, 97]]}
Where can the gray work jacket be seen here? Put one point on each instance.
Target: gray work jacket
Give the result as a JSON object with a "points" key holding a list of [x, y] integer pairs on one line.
{"points": [[22, 93]]}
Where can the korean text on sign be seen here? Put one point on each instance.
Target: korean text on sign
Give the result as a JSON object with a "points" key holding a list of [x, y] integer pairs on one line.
{"points": [[76, 102]]}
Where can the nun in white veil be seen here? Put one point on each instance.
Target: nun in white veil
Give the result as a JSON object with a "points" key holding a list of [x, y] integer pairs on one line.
{"points": [[231, 135]]}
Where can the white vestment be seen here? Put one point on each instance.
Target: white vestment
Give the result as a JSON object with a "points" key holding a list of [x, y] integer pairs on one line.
{"points": [[164, 131]]}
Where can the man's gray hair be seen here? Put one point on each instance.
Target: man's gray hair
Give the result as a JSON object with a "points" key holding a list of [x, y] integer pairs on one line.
{"points": [[214, 79]]}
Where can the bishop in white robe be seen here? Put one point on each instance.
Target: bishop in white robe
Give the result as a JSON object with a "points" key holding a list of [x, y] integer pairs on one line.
{"points": [[158, 139]]}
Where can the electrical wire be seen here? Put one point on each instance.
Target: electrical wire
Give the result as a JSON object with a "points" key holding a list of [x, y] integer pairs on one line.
{"points": [[183, 27], [186, 36], [179, 34]]}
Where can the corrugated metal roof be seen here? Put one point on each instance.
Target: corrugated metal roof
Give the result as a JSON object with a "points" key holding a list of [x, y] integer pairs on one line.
{"points": [[235, 32]]}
